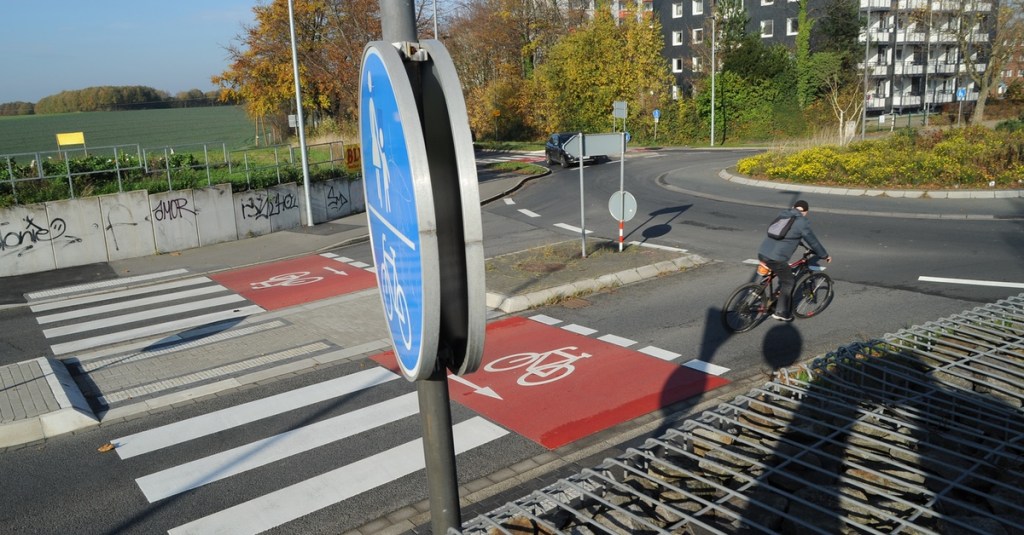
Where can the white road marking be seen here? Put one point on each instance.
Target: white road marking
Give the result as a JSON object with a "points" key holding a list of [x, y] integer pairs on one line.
{"points": [[103, 284], [215, 422], [191, 475], [311, 495], [659, 353], [150, 330], [508, 201], [108, 296], [570, 227], [617, 340], [972, 282], [528, 213], [106, 322], [546, 320], [123, 305], [706, 367], [579, 329]]}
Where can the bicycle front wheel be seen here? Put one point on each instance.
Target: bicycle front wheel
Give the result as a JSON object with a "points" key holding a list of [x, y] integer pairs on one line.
{"points": [[812, 294], [745, 308]]}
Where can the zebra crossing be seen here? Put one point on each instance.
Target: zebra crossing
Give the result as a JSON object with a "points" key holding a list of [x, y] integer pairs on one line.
{"points": [[73, 323], [294, 500]]}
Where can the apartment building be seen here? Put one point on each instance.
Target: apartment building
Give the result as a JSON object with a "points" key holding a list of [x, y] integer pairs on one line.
{"points": [[910, 47]]}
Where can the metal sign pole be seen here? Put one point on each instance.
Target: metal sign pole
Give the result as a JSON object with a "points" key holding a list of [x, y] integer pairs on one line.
{"points": [[398, 24], [583, 225], [622, 186]]}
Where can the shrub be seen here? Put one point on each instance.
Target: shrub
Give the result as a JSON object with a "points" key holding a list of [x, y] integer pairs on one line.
{"points": [[971, 157]]}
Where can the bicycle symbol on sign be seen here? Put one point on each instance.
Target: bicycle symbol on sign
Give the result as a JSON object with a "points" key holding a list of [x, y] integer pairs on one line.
{"points": [[395, 303], [539, 370], [286, 279]]}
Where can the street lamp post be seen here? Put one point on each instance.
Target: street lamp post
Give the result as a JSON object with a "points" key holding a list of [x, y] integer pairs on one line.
{"points": [[927, 58], [867, 43], [713, 69], [298, 117]]}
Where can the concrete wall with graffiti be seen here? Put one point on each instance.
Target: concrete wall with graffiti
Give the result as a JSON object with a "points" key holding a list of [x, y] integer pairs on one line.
{"points": [[54, 235]]}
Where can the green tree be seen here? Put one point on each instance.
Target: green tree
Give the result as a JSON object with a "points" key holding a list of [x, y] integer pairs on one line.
{"points": [[805, 89], [598, 64], [837, 28]]}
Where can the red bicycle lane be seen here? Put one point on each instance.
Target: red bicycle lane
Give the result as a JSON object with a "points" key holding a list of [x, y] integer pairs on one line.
{"points": [[296, 281], [555, 386]]}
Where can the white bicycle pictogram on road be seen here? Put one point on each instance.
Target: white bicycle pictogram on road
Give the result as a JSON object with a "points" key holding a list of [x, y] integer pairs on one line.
{"points": [[297, 278], [541, 368]]}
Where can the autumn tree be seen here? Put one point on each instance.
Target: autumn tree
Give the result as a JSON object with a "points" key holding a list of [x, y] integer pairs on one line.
{"points": [[598, 64], [330, 36], [496, 46]]}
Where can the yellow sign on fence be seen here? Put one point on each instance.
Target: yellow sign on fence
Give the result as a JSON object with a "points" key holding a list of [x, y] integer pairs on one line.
{"points": [[353, 159], [71, 138]]}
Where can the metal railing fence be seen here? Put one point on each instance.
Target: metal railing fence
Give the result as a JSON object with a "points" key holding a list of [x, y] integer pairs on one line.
{"points": [[73, 172]]}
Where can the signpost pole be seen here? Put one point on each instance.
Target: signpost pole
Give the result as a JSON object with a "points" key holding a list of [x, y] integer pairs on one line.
{"points": [[398, 23], [583, 206], [622, 186]]}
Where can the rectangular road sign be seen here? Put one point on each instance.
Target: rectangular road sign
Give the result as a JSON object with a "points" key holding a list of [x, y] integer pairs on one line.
{"points": [[619, 109], [594, 145]]}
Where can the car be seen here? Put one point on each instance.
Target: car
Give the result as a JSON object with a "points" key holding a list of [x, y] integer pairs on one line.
{"points": [[554, 150]]}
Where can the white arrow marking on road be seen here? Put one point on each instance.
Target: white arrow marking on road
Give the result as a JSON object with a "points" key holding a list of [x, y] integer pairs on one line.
{"points": [[335, 271], [973, 282], [484, 390]]}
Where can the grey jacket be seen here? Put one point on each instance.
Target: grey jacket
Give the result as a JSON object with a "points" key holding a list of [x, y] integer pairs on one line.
{"points": [[782, 250]]}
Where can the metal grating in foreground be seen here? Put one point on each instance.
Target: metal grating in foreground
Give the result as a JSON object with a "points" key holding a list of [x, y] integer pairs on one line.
{"points": [[919, 432]]}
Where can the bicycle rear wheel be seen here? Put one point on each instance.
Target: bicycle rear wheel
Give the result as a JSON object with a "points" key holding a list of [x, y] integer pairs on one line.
{"points": [[745, 308], [812, 294]]}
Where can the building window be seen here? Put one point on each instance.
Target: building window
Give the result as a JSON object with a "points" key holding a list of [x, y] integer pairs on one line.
{"points": [[677, 10], [696, 64], [675, 92], [698, 7], [677, 38], [792, 28], [767, 28], [677, 64], [698, 35]]}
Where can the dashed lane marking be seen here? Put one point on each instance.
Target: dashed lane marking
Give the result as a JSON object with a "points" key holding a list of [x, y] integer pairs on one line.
{"points": [[972, 282]]}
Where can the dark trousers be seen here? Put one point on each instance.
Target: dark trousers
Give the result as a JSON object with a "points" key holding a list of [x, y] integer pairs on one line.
{"points": [[786, 282]]}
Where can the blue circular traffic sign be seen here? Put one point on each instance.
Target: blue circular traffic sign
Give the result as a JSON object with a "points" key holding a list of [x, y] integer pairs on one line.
{"points": [[400, 209]]}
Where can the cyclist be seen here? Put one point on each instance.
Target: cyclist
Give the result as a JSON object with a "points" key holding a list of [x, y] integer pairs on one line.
{"points": [[775, 253]]}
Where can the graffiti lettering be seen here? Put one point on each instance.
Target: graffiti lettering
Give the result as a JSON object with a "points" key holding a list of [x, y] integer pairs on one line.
{"points": [[172, 209], [335, 199], [257, 207], [33, 233], [118, 216]]}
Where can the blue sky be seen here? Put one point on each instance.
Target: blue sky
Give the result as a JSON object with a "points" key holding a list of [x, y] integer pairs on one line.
{"points": [[48, 47]]}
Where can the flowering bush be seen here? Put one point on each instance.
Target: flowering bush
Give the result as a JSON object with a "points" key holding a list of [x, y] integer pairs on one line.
{"points": [[972, 157]]}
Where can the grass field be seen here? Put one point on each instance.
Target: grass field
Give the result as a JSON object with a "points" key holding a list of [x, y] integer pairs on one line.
{"points": [[147, 128]]}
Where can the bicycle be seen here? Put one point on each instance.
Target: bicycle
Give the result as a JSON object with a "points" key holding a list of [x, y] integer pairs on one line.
{"points": [[751, 303]]}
